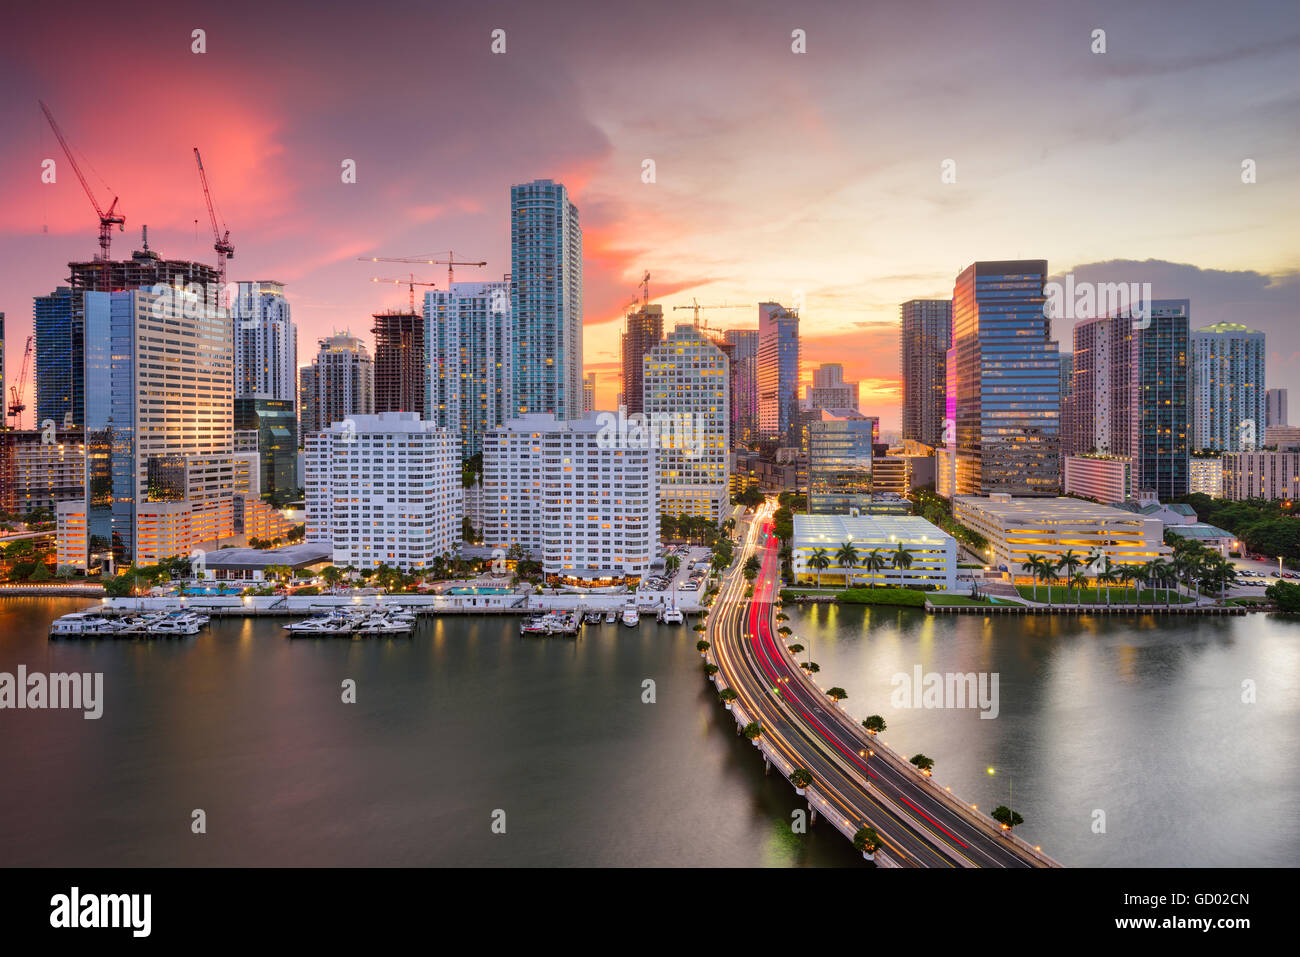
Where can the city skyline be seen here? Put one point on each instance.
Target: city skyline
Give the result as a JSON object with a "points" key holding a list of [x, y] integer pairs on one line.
{"points": [[1193, 229]]}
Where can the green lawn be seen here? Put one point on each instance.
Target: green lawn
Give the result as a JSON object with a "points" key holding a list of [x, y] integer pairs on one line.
{"points": [[1094, 596], [941, 599], [883, 596]]}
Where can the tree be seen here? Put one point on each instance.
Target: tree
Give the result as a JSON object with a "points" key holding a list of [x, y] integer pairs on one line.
{"points": [[795, 648], [801, 778], [671, 564], [710, 670], [874, 562], [1048, 574], [901, 559], [1007, 817], [752, 566], [874, 724], [1069, 563], [847, 557], [811, 667], [726, 696], [867, 840], [1035, 564], [925, 764], [1080, 581], [753, 731], [701, 646], [1285, 595], [819, 562], [837, 694]]}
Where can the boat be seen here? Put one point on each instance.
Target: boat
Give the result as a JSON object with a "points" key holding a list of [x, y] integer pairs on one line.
{"points": [[631, 616], [178, 627], [380, 624], [533, 626], [591, 618], [611, 616], [82, 624], [672, 616], [320, 625]]}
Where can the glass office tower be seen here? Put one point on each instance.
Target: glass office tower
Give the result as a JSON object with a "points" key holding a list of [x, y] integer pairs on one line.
{"points": [[1007, 388], [839, 464], [778, 373], [1159, 433], [925, 334]]}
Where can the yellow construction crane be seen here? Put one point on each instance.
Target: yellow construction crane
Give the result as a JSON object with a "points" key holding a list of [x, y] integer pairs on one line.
{"points": [[695, 307], [410, 283], [450, 262]]}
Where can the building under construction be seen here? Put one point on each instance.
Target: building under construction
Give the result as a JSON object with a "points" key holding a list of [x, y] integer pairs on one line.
{"points": [[400, 365], [642, 331]]}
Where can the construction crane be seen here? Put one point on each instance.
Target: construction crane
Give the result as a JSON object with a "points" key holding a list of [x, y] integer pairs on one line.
{"points": [[411, 283], [645, 289], [221, 243], [16, 404], [696, 307], [450, 262], [106, 220]]}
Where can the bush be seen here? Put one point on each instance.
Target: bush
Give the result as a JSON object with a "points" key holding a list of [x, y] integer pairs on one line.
{"points": [[882, 596]]}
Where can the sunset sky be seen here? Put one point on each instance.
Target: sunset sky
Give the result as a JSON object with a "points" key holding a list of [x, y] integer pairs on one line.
{"points": [[777, 174]]}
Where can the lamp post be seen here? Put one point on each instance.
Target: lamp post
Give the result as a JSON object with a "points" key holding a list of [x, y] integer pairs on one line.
{"points": [[1010, 805]]}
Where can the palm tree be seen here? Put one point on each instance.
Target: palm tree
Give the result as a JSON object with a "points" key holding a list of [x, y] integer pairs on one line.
{"points": [[902, 560], [819, 562], [1105, 573], [1158, 569], [1069, 563], [1080, 581], [846, 558], [924, 764], [1035, 563], [1141, 575], [874, 562], [1048, 574]]}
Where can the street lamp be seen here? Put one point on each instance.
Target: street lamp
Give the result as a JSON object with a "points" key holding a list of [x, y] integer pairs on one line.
{"points": [[1010, 806]]}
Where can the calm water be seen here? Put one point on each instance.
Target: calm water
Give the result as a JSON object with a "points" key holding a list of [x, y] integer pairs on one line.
{"points": [[449, 726], [1139, 718]]}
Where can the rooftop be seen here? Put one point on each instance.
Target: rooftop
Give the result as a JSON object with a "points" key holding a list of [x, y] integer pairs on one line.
{"points": [[1200, 531], [1043, 509], [295, 556], [833, 530]]}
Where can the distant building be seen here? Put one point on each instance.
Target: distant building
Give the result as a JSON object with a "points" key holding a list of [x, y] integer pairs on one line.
{"points": [[403, 513], [1207, 477], [1019, 527], [1271, 476], [1275, 407], [401, 362], [840, 463], [588, 393], [1211, 536], [744, 386], [1007, 385], [829, 390], [643, 329], [933, 552], [546, 300], [266, 343], [899, 472], [36, 474], [925, 335], [685, 389], [1284, 438], [340, 383], [1067, 401], [275, 428], [778, 372], [1227, 387], [945, 472], [1102, 478]]}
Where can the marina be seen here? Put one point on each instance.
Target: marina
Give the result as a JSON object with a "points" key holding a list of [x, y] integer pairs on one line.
{"points": [[179, 624]]}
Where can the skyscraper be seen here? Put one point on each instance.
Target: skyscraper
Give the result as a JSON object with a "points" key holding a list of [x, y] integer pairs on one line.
{"points": [[840, 464], [340, 383], [778, 373], [401, 367], [1007, 386], [470, 344], [744, 386], [1159, 405], [1227, 388], [687, 402], [1067, 403], [1275, 407], [546, 299], [642, 331], [829, 390], [588, 392], [1102, 387], [266, 342], [925, 335]]}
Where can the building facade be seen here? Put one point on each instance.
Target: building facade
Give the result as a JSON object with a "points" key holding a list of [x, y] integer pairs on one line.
{"points": [[1271, 476], [744, 386], [274, 425], [778, 373], [932, 551], [588, 394], [1206, 476], [385, 491], [840, 464], [1275, 407], [1228, 395], [829, 390], [1160, 403], [546, 300], [643, 330], [687, 402], [266, 343], [1102, 478], [342, 383], [925, 335], [1007, 389]]}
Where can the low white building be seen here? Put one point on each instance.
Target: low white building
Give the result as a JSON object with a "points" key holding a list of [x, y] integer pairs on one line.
{"points": [[1207, 477], [933, 552], [1019, 527], [1102, 478], [384, 490], [582, 500]]}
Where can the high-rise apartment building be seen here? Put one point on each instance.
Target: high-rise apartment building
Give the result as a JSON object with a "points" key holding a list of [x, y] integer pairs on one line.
{"points": [[1159, 406], [686, 398], [840, 464], [339, 384], [401, 366], [1007, 386], [778, 373], [470, 344], [384, 490], [1067, 401], [643, 329], [580, 499], [1227, 373], [1102, 387], [925, 335], [1275, 407], [829, 390], [546, 299], [744, 386], [588, 393], [266, 342]]}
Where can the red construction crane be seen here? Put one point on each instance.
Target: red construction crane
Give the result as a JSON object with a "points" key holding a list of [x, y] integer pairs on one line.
{"points": [[16, 404], [450, 262], [106, 220], [221, 242], [411, 283]]}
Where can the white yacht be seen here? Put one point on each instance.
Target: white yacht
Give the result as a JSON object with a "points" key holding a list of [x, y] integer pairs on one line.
{"points": [[631, 616], [611, 616], [173, 627], [673, 616], [82, 624]]}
